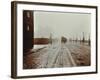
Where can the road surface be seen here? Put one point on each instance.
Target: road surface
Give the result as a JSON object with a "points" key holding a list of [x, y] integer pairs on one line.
{"points": [[59, 55]]}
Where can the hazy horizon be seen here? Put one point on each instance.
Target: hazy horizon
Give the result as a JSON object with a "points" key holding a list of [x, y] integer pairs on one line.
{"points": [[70, 25]]}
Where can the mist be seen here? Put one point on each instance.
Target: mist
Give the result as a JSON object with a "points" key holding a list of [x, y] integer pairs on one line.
{"points": [[69, 25]]}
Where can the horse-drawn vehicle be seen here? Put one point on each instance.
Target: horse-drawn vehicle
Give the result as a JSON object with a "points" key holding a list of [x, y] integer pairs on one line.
{"points": [[63, 39]]}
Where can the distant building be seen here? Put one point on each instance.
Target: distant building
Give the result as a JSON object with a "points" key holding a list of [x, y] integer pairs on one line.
{"points": [[40, 41]]}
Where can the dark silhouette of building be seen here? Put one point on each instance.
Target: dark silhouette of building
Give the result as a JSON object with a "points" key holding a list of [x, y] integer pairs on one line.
{"points": [[27, 30]]}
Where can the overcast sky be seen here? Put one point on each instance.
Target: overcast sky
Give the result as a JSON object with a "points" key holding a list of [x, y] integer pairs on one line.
{"points": [[70, 25]]}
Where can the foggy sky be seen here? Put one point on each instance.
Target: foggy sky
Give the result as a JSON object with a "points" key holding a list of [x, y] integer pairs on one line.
{"points": [[70, 25]]}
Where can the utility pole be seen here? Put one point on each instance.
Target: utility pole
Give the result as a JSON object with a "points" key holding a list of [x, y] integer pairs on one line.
{"points": [[83, 40], [89, 41], [80, 40], [50, 39], [76, 39]]}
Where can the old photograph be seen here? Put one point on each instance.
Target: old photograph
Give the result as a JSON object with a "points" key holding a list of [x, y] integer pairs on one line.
{"points": [[56, 39]]}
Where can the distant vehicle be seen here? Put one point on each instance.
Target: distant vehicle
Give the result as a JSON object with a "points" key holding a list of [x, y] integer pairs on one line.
{"points": [[63, 39]]}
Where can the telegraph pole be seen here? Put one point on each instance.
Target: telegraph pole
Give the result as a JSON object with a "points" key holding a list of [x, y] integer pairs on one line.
{"points": [[83, 40], [89, 41], [50, 39]]}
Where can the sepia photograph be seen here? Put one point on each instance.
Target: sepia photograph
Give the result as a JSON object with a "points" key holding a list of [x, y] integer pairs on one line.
{"points": [[56, 39], [50, 39]]}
